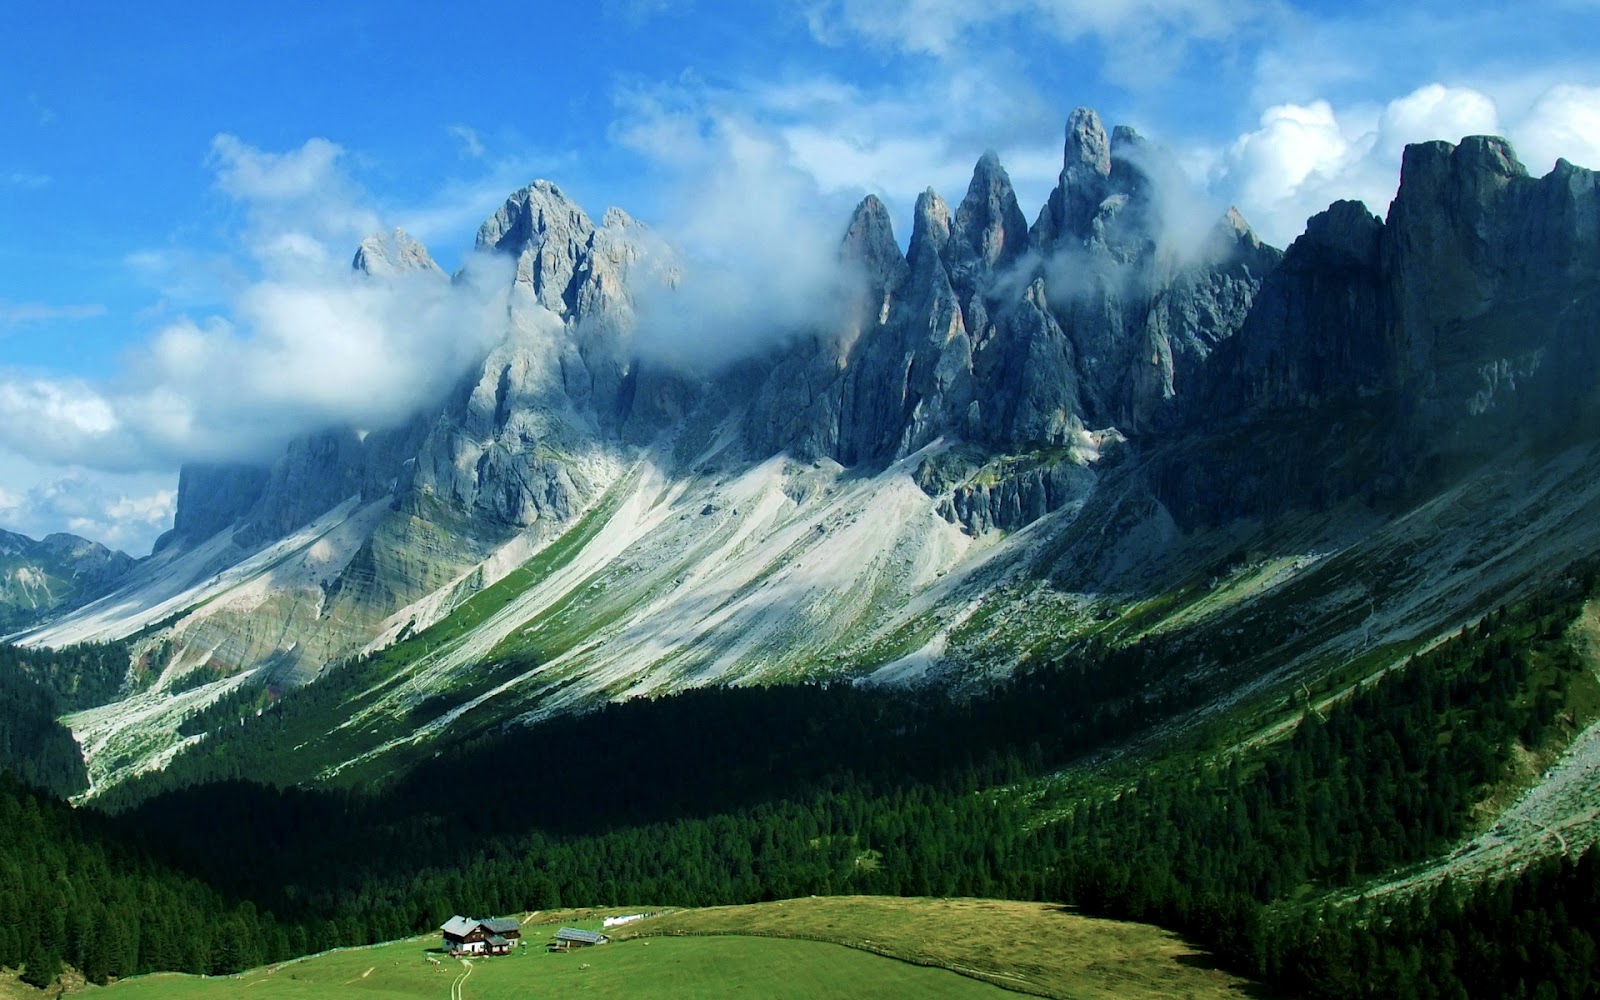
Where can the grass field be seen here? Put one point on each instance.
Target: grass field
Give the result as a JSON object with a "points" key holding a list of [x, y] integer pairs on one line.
{"points": [[664, 969], [1036, 948], [804, 948]]}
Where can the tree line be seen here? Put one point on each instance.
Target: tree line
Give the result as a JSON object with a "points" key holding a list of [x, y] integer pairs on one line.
{"points": [[739, 795]]}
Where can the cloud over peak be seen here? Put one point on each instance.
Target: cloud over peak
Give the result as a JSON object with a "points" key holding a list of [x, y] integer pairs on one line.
{"points": [[299, 340]]}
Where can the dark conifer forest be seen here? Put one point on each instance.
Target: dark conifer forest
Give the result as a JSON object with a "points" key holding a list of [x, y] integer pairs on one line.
{"points": [[748, 794]]}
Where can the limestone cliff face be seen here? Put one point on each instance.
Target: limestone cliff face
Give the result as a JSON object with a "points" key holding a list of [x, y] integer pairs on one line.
{"points": [[1230, 379], [1020, 339], [1390, 353], [1492, 277]]}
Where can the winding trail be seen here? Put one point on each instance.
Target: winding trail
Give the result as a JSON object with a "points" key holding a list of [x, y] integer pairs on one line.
{"points": [[457, 988]]}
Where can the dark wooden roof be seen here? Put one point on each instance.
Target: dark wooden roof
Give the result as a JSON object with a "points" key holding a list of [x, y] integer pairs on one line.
{"points": [[501, 925]]}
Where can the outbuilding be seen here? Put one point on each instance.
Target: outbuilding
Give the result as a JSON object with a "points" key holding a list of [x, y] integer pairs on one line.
{"points": [[568, 938]]}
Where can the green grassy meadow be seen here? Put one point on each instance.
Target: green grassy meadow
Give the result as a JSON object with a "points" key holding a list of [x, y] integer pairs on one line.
{"points": [[659, 969], [859, 946]]}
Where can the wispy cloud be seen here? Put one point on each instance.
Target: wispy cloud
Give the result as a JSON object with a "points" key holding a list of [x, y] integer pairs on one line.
{"points": [[23, 179], [471, 145], [15, 314], [43, 114], [1142, 41], [637, 12], [847, 139]]}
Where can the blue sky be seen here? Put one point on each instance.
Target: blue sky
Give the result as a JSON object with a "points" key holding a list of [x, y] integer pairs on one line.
{"points": [[182, 184]]}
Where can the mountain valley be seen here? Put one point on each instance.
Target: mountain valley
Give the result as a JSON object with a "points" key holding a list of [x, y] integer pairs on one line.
{"points": [[1088, 529]]}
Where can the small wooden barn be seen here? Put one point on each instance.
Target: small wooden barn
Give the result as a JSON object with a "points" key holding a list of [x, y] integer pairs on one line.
{"points": [[568, 938]]}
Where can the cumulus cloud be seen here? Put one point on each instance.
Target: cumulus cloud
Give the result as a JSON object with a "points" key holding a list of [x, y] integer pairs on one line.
{"points": [[1563, 123], [1302, 157], [301, 341]]}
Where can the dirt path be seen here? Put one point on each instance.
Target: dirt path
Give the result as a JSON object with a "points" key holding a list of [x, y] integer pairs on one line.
{"points": [[458, 987]]}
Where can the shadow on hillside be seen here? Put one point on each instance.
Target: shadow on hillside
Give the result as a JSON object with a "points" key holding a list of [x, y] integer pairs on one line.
{"points": [[1207, 962]]}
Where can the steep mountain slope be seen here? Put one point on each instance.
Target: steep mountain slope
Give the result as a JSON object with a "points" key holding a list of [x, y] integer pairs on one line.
{"points": [[42, 578], [1108, 428]]}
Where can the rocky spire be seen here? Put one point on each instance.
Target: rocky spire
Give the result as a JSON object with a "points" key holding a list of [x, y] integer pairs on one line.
{"points": [[869, 242], [549, 235], [1083, 184], [990, 230], [930, 229], [391, 253]]}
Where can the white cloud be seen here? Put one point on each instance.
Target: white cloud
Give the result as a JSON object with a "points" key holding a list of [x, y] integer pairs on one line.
{"points": [[302, 341], [942, 27], [1563, 123], [122, 512], [1302, 157], [471, 145], [757, 182], [304, 214], [1433, 112], [758, 239], [847, 140], [13, 314]]}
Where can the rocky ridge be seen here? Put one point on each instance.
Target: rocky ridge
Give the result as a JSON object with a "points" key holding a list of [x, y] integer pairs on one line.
{"points": [[1148, 395], [39, 579]]}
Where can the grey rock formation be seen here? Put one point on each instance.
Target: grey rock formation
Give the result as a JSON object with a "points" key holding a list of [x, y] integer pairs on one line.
{"points": [[212, 497], [1018, 338], [1371, 356], [549, 236], [1492, 276], [387, 254], [1082, 187], [45, 578], [1382, 356]]}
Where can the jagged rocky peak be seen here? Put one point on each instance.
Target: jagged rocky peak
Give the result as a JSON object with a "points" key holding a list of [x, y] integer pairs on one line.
{"points": [[930, 229], [1343, 234], [383, 254], [1234, 230], [1082, 186], [989, 230], [870, 244], [549, 235]]}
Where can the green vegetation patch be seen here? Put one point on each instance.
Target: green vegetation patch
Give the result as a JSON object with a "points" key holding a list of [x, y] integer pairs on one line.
{"points": [[663, 969], [1036, 948]]}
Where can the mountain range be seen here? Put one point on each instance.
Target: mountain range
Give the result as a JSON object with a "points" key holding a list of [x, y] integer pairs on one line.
{"points": [[1117, 424]]}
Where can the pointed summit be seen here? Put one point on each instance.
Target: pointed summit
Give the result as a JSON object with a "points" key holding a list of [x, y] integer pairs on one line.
{"points": [[989, 226], [1082, 186], [1088, 150], [549, 235], [930, 229], [869, 241], [383, 254]]}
